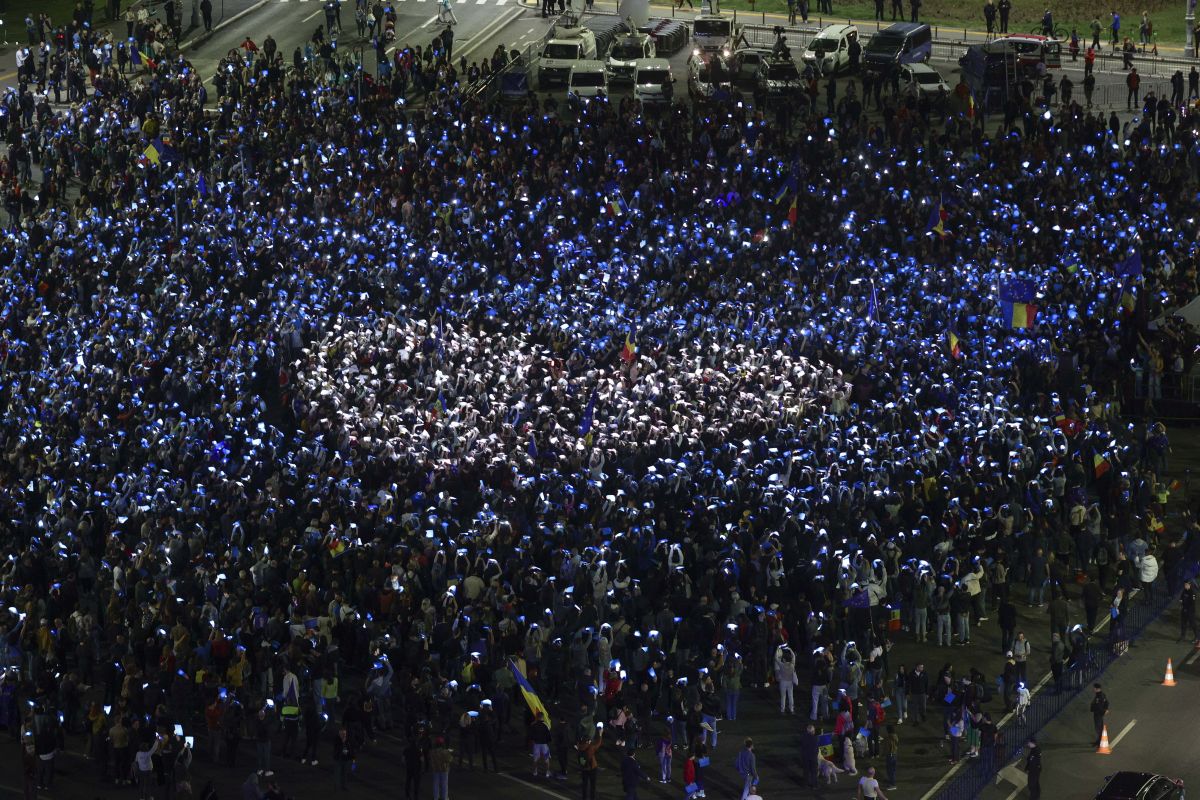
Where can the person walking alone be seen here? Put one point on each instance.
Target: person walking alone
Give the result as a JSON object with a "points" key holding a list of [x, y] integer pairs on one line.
{"points": [[747, 767], [869, 788]]}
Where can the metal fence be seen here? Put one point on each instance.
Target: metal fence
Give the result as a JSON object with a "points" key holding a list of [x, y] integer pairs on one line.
{"points": [[974, 776], [949, 43]]}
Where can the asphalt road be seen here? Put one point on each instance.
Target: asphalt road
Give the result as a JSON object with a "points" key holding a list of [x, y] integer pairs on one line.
{"points": [[1149, 725]]}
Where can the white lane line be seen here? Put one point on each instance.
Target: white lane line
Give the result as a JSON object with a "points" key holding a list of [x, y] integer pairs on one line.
{"points": [[950, 773], [530, 30], [1195, 654], [533, 786], [316, 13], [1121, 735], [1016, 792], [501, 22], [430, 21]]}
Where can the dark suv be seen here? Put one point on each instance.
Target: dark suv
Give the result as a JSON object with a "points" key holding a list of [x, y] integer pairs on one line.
{"points": [[1141, 786]]}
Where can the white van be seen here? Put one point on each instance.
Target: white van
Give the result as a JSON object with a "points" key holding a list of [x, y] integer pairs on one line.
{"points": [[588, 79], [653, 82], [829, 51]]}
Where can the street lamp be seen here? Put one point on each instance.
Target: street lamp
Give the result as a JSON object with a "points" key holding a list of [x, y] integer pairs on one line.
{"points": [[1189, 21]]}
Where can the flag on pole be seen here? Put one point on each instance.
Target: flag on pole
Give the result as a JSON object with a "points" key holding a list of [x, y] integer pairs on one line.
{"points": [[1018, 290], [789, 187], [937, 219], [1018, 315], [585, 424], [154, 152], [794, 210], [1129, 267], [531, 698], [1100, 465], [614, 204], [955, 348], [1128, 298], [140, 56], [629, 351]]}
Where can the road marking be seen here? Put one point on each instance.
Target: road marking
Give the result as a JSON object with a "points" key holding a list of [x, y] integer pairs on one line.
{"points": [[533, 786], [501, 21], [950, 773], [1016, 792], [316, 13], [430, 21], [1121, 735], [1195, 653], [530, 30]]}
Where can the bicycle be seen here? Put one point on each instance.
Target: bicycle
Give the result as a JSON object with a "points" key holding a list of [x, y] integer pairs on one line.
{"points": [[1060, 31]]}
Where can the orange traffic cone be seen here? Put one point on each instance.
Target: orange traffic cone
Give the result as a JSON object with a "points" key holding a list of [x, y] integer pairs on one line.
{"points": [[1104, 750], [1169, 680]]}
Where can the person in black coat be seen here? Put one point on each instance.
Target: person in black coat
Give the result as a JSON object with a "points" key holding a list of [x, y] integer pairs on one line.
{"points": [[1033, 769], [810, 752], [1187, 611], [413, 768]]}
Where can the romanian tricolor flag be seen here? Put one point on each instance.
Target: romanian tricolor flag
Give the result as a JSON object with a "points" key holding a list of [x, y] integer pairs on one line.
{"points": [[1100, 464], [794, 210], [535, 702], [937, 219], [1128, 300], [337, 547], [629, 351], [154, 151], [955, 348], [140, 56], [1018, 315]]}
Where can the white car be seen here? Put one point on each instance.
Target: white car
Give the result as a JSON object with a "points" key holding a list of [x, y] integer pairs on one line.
{"points": [[746, 61], [653, 82], [829, 52], [922, 79]]}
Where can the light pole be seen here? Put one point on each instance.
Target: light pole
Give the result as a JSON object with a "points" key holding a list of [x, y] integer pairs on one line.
{"points": [[1189, 21]]}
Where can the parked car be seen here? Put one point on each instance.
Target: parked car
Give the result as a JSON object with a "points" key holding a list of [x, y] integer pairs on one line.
{"points": [[1029, 48], [778, 79], [746, 61], [653, 81], [1141, 786], [829, 52], [900, 43], [922, 79], [588, 80], [708, 78]]}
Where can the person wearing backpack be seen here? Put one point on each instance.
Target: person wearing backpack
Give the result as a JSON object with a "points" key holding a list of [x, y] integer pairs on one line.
{"points": [[747, 766]]}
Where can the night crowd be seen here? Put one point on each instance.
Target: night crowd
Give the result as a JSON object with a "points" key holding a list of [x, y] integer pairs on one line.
{"points": [[324, 410]]}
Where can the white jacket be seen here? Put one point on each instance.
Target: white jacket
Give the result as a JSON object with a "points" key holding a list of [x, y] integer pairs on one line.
{"points": [[1148, 570]]}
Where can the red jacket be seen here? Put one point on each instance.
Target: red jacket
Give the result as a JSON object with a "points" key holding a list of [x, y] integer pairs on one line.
{"points": [[689, 771]]}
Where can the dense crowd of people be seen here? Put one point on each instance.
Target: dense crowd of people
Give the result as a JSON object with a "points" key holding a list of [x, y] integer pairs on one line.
{"points": [[322, 411]]}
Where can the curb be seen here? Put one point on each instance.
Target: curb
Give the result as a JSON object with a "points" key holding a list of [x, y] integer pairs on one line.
{"points": [[204, 37]]}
